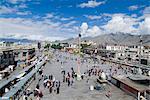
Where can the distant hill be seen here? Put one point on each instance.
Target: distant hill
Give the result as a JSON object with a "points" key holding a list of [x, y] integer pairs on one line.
{"points": [[115, 38], [17, 40]]}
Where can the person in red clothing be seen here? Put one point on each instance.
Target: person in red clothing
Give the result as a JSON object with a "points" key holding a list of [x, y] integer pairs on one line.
{"points": [[50, 86]]}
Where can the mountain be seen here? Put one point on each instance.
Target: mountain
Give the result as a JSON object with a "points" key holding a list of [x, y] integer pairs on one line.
{"points": [[115, 38], [17, 40]]}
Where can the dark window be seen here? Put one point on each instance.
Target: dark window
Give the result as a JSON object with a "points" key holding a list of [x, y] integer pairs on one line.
{"points": [[16, 54], [24, 53], [5, 55]]}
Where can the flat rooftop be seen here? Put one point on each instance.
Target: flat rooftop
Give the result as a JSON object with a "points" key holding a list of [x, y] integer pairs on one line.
{"points": [[139, 77], [135, 85], [15, 48]]}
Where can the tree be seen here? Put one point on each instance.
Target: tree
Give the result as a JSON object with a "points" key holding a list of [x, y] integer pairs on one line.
{"points": [[56, 46], [83, 46], [47, 46]]}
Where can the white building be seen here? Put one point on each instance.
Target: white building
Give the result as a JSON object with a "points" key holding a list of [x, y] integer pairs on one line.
{"points": [[116, 47], [6, 44], [132, 53]]}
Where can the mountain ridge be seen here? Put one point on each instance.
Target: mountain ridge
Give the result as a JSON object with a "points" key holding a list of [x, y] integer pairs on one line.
{"points": [[116, 38], [17, 40]]}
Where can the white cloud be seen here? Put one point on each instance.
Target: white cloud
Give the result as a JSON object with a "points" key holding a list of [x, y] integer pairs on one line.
{"points": [[6, 10], [23, 13], [13, 1], [134, 7], [93, 17], [84, 28], [39, 30], [22, 6], [69, 24], [147, 10], [14, 9], [65, 19], [121, 23], [49, 15], [17, 1], [93, 31], [144, 26], [134, 15], [91, 4]]}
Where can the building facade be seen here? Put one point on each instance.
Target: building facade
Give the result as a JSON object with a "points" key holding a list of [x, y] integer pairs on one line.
{"points": [[6, 58]]}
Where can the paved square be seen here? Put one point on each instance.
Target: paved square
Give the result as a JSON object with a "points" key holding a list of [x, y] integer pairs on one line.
{"points": [[80, 89]]}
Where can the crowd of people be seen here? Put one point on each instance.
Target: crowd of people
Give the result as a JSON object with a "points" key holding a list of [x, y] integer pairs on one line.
{"points": [[53, 85]]}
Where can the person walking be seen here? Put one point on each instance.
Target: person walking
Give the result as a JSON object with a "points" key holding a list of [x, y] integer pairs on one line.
{"points": [[50, 87], [37, 92], [25, 96], [57, 87], [68, 80]]}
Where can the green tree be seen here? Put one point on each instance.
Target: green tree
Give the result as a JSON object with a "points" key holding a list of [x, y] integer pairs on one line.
{"points": [[56, 46], [83, 46], [47, 46]]}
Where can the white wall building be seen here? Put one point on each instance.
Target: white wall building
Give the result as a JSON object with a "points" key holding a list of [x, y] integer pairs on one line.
{"points": [[116, 47], [130, 52], [6, 44]]}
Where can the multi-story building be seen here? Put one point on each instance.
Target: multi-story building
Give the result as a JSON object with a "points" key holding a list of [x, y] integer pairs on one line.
{"points": [[13, 55], [116, 47], [131, 53], [4, 44], [23, 54], [88, 42], [6, 58]]}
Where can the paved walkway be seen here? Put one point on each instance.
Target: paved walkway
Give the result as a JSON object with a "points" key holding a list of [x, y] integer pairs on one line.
{"points": [[80, 89]]}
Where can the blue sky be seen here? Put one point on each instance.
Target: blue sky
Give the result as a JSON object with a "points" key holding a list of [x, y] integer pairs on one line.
{"points": [[61, 19]]}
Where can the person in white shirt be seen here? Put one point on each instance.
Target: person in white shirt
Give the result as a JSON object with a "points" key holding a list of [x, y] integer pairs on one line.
{"points": [[6, 90]]}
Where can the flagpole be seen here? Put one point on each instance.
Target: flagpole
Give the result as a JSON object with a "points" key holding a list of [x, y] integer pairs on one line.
{"points": [[79, 59]]}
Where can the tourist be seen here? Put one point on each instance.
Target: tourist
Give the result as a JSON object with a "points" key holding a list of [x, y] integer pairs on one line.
{"points": [[50, 87], [82, 76], [57, 87], [63, 78], [40, 71], [68, 80], [87, 81], [40, 94], [37, 92], [25, 96]]}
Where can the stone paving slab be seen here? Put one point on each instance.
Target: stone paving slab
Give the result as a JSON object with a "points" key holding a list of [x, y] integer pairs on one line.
{"points": [[80, 89]]}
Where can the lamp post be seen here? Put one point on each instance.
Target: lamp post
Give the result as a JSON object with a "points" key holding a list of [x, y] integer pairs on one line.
{"points": [[79, 60]]}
